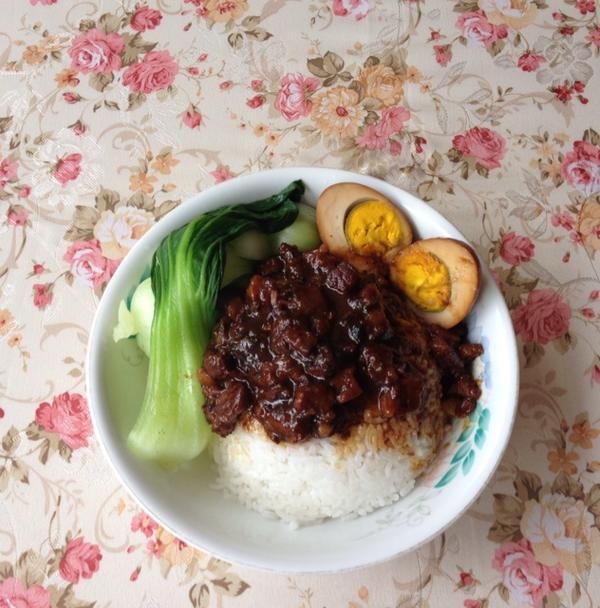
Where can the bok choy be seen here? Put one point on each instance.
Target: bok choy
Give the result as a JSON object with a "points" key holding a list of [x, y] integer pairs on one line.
{"points": [[186, 275]]}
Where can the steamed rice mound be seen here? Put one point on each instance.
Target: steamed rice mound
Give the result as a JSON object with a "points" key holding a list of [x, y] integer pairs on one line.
{"points": [[303, 483], [327, 394]]}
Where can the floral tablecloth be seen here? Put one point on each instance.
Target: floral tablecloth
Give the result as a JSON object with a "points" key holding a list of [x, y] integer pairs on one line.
{"points": [[112, 112]]}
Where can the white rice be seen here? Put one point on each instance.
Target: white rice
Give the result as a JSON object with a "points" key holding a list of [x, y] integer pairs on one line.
{"points": [[319, 478]]}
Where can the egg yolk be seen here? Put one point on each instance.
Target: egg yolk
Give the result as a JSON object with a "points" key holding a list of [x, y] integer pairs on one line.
{"points": [[424, 278], [372, 228]]}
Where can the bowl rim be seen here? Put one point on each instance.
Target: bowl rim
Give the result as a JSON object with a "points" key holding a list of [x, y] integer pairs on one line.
{"points": [[106, 438]]}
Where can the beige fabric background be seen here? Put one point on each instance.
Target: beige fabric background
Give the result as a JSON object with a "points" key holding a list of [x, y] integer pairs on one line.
{"points": [[111, 114]]}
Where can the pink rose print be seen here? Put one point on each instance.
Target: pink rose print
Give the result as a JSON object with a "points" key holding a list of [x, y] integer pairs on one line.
{"points": [[43, 2], [155, 72], [482, 144], [581, 168], [13, 593], [393, 119], [596, 374], [359, 9], [256, 101], [8, 171], [375, 136], [70, 97], [88, 265], [16, 216], [221, 174], [472, 604], [42, 294], [25, 191], [371, 139], [530, 62], [68, 417], [467, 580], [564, 92], [144, 523], [67, 169], [293, 98], [528, 581], [593, 36], [257, 85], [543, 318], [475, 26], [515, 249], [38, 269], [145, 18], [80, 560], [443, 53], [586, 6], [79, 128], [95, 52], [192, 118]]}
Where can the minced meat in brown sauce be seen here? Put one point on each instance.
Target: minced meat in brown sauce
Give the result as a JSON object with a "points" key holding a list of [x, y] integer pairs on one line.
{"points": [[314, 347]]}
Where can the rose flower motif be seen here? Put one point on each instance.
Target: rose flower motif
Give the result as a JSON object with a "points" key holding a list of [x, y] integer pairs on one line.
{"points": [[475, 26], [357, 8], [293, 98], [516, 14], [380, 82], [155, 72], [68, 416], [80, 560], [95, 52], [581, 168], [88, 265], [528, 580], [145, 18], [561, 531], [543, 318], [13, 593], [485, 146], [515, 249], [118, 231]]}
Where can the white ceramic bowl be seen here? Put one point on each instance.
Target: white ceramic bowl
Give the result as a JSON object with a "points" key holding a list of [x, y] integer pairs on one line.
{"points": [[184, 502]]}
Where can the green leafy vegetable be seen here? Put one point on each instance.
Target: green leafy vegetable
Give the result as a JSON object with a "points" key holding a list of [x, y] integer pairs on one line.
{"points": [[256, 245], [136, 321], [252, 245], [187, 270], [302, 233]]}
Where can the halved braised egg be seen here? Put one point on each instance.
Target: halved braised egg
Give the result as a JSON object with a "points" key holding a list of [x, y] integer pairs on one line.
{"points": [[355, 218], [440, 276]]}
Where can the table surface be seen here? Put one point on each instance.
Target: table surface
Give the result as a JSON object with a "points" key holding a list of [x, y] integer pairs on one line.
{"points": [[111, 113]]}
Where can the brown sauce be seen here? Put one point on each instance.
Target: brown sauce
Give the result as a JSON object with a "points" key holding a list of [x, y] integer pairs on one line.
{"points": [[313, 347]]}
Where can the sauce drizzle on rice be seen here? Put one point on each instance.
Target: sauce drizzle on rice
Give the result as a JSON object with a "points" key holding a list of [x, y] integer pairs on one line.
{"points": [[330, 394], [315, 348]]}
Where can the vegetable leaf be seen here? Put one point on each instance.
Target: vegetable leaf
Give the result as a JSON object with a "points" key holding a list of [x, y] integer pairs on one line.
{"points": [[186, 275]]}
